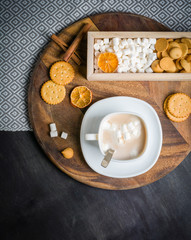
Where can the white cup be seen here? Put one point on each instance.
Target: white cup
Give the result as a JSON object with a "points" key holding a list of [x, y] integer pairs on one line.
{"points": [[96, 136]]}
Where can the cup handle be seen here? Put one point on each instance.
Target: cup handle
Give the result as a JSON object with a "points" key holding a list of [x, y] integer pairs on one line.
{"points": [[91, 137]]}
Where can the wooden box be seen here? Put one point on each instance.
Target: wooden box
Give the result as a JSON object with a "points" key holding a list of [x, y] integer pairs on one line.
{"points": [[132, 76]]}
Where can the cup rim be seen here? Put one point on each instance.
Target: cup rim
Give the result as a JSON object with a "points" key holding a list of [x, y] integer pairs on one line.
{"points": [[146, 128]]}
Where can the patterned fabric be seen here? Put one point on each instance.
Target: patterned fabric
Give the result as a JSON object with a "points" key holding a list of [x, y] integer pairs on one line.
{"points": [[26, 27]]}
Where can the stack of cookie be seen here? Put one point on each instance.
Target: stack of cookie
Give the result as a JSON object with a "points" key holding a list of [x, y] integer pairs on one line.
{"points": [[173, 55], [53, 91], [177, 107]]}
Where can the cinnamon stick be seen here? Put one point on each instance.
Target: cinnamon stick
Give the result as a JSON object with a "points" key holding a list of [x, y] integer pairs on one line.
{"points": [[64, 46], [67, 55]]}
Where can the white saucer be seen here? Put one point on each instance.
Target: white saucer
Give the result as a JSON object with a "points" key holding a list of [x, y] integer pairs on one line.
{"points": [[131, 168]]}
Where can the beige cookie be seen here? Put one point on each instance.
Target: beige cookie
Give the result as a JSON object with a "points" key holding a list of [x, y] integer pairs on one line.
{"points": [[179, 105], [185, 64], [161, 44], [61, 72], [52, 93], [170, 116], [175, 53], [167, 64], [184, 49], [156, 67]]}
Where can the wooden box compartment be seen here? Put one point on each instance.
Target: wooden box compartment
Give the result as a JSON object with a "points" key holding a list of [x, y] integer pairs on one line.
{"points": [[92, 76]]}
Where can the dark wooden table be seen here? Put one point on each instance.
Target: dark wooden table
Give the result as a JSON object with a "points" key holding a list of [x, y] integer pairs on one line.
{"points": [[38, 201]]}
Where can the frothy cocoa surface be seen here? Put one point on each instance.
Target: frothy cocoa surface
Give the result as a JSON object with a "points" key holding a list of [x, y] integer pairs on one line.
{"points": [[124, 133]]}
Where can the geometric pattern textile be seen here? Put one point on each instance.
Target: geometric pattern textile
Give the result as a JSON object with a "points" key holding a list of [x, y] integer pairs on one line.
{"points": [[26, 27]]}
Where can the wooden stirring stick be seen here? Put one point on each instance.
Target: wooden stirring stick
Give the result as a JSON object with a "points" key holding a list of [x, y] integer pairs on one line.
{"points": [[64, 46], [67, 55]]}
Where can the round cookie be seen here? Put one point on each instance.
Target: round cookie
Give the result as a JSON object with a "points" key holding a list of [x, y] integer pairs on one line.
{"points": [[170, 116], [179, 105], [178, 64], [173, 45], [161, 44], [167, 64], [156, 68], [184, 49], [187, 41], [175, 53], [165, 54], [185, 64], [52, 93], [61, 72]]}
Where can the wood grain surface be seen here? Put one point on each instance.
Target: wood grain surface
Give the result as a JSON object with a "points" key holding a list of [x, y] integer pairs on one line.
{"points": [[175, 147]]}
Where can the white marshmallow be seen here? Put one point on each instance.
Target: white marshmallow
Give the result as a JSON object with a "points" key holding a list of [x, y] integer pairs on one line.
{"points": [[124, 42], [113, 126], [119, 134], [126, 62], [107, 46], [121, 46], [138, 49], [136, 132], [132, 48], [148, 70], [127, 136], [129, 41], [125, 57], [102, 48], [96, 46], [149, 50], [52, 127], [106, 40], [137, 122], [137, 60], [98, 41], [124, 128], [116, 48], [109, 49], [145, 49], [101, 43], [152, 46], [120, 69], [64, 135], [119, 53], [152, 40], [125, 69], [133, 70], [139, 41], [152, 56], [130, 126], [142, 55], [145, 41], [106, 125], [126, 51], [116, 41], [119, 61], [134, 152], [53, 134]]}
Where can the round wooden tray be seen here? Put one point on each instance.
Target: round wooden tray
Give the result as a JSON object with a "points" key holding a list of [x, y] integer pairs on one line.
{"points": [[67, 118]]}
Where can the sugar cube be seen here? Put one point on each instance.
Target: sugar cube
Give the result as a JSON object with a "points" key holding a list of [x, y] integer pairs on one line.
{"points": [[53, 134], [64, 135], [106, 40], [52, 127]]}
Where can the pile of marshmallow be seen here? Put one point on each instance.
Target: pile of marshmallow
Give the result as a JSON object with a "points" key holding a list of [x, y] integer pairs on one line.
{"points": [[134, 55], [123, 133]]}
